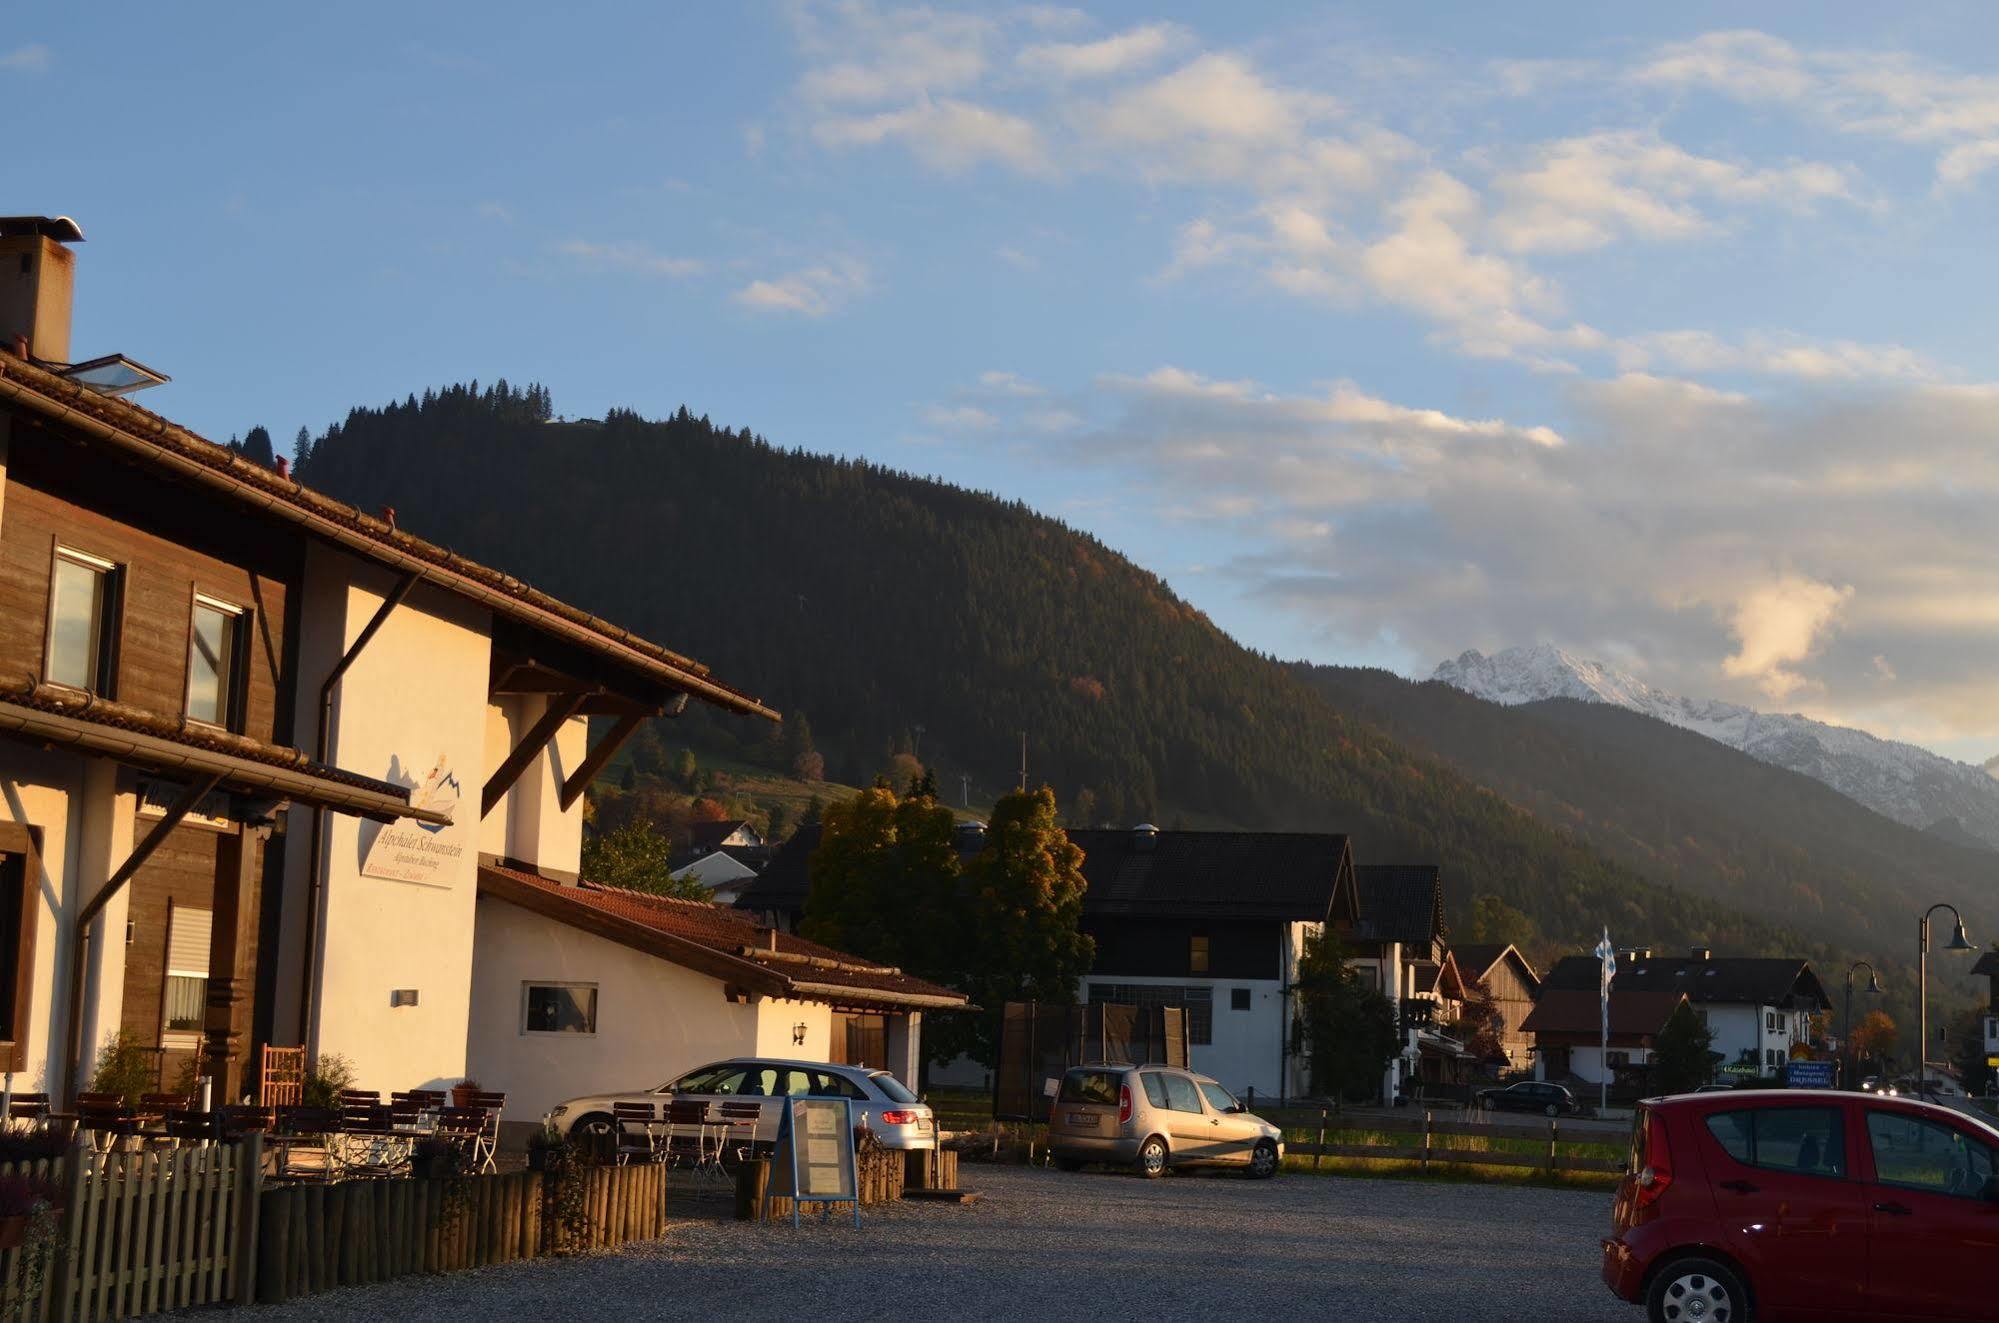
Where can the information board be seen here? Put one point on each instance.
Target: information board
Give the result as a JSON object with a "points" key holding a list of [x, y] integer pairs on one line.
{"points": [[815, 1155], [1810, 1074]]}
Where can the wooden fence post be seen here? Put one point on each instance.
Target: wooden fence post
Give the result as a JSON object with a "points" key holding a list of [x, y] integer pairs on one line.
{"points": [[61, 1282], [1554, 1130], [1428, 1119], [249, 1204], [1318, 1150], [752, 1185]]}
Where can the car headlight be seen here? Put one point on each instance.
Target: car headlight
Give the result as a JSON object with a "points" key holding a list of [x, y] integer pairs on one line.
{"points": [[557, 1110]]}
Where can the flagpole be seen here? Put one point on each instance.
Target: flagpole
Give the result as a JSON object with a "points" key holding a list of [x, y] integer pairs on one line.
{"points": [[1606, 956]]}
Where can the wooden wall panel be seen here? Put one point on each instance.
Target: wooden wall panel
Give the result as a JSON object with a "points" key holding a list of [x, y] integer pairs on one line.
{"points": [[172, 543]]}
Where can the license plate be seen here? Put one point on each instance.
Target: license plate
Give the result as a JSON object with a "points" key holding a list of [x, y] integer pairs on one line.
{"points": [[923, 1124], [1082, 1118]]}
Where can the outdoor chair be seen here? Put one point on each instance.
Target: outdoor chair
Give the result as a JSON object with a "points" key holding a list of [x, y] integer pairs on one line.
{"points": [[486, 1151], [740, 1122], [183, 1127], [155, 1106], [638, 1133], [105, 1117], [303, 1141], [239, 1119], [687, 1121], [462, 1126], [371, 1145], [282, 1077], [29, 1107]]}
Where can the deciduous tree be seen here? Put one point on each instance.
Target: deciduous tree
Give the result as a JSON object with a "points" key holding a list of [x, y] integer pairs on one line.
{"points": [[637, 855], [1682, 1058], [1347, 1026]]}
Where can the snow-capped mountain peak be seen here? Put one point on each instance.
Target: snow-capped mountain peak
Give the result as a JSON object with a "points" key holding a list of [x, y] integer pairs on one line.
{"points": [[1900, 781]]}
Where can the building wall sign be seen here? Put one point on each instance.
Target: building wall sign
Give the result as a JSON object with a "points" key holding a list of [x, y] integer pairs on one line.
{"points": [[407, 850]]}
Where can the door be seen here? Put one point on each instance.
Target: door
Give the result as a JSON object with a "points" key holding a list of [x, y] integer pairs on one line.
{"points": [[1936, 1235], [1235, 1133], [1789, 1206], [1189, 1129]]}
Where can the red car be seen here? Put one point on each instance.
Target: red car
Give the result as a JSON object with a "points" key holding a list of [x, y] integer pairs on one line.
{"points": [[1800, 1204]]}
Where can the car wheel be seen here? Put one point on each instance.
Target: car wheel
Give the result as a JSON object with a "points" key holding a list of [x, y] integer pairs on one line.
{"points": [[1068, 1164], [1152, 1158], [1553, 1110], [1698, 1291], [596, 1134], [1263, 1161]]}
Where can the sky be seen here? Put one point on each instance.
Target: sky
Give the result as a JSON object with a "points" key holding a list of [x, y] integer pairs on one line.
{"points": [[1381, 332]]}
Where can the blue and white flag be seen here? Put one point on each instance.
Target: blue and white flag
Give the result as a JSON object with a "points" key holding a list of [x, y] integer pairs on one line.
{"points": [[1606, 955]]}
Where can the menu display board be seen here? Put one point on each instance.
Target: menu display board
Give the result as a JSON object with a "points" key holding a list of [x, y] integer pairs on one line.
{"points": [[815, 1155]]}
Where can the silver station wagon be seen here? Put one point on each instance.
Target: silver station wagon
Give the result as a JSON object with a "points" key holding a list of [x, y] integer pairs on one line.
{"points": [[1155, 1117], [882, 1106]]}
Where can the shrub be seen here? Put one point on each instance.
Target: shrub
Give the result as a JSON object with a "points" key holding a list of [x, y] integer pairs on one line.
{"points": [[330, 1073], [125, 1066], [26, 1144]]}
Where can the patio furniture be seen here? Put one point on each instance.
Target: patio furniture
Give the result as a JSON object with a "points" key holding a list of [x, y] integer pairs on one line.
{"points": [[302, 1143], [180, 1126], [740, 1122], [106, 1118], [638, 1135], [487, 1151], [29, 1107], [155, 1106], [371, 1144], [463, 1127], [281, 1080], [687, 1121], [239, 1119]]}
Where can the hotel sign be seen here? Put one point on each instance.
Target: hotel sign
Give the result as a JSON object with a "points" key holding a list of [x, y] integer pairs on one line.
{"points": [[408, 850]]}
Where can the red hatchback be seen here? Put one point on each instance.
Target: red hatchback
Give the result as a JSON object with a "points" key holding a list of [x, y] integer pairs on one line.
{"points": [[1801, 1204]]}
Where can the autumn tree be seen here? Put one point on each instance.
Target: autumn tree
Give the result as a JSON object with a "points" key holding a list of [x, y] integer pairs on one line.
{"points": [[1683, 1056], [1346, 1025], [885, 879], [636, 855], [1480, 1023], [1875, 1039]]}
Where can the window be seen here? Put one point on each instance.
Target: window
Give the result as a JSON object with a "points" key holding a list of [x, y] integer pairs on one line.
{"points": [[1197, 954], [83, 599], [1220, 1099], [187, 975], [1091, 1086], [828, 1085], [1238, 999], [1770, 1021], [1805, 1140], [19, 900], [1617, 1060], [894, 1089], [1180, 1094], [723, 1080], [1772, 1057], [1198, 1003], [1155, 1088], [215, 663], [1917, 1154], [559, 1008]]}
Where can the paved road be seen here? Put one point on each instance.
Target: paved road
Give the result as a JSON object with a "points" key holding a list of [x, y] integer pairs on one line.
{"points": [[1045, 1246]]}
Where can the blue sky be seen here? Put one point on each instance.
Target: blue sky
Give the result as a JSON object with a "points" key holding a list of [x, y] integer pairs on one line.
{"points": [[1381, 333]]}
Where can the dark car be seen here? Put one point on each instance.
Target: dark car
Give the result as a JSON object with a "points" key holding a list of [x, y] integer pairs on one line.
{"points": [[1531, 1096], [1805, 1204]]}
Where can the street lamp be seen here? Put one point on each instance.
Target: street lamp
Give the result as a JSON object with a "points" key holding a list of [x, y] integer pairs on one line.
{"points": [[1846, 1033], [1958, 942]]}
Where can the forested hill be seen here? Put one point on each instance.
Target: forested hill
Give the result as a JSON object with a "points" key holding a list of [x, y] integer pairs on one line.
{"points": [[877, 602], [1685, 809]]}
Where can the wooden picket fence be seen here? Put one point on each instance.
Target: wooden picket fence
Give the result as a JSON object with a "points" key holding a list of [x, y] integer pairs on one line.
{"points": [[138, 1233], [319, 1237]]}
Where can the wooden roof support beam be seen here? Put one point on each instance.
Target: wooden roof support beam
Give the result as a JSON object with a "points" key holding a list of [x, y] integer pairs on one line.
{"points": [[594, 762], [560, 710]]}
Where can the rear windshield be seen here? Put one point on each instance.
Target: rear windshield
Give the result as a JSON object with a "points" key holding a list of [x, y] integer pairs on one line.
{"points": [[896, 1090], [1091, 1086]]}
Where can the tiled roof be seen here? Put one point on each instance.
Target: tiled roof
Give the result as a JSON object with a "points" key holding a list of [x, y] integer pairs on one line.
{"points": [[1476, 959], [1399, 903], [1727, 980], [1276, 875], [803, 968], [173, 443], [1572, 1011]]}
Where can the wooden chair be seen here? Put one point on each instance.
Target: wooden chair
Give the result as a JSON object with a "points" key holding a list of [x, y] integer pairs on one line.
{"points": [[462, 1126], [106, 1117], [29, 1107], [687, 1123], [637, 1135], [239, 1120], [739, 1120], [183, 1127], [281, 1081], [486, 1153], [305, 1140], [155, 1106]]}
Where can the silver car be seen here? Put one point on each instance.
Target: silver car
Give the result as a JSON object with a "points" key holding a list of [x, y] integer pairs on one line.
{"points": [[1155, 1117], [882, 1106]]}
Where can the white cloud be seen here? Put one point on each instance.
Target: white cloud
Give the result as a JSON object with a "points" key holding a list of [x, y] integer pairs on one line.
{"points": [[1775, 355], [636, 258], [1779, 624], [946, 134], [498, 211], [1008, 383], [1122, 53], [867, 56], [33, 58], [1017, 258], [960, 418], [813, 291]]}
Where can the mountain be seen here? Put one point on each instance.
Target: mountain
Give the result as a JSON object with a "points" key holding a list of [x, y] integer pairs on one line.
{"points": [[1687, 811], [892, 608], [1900, 781]]}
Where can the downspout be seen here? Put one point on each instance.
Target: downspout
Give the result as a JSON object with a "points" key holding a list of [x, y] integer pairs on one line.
{"points": [[316, 847]]}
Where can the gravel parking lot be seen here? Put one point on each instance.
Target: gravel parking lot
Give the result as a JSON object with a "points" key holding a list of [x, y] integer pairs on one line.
{"points": [[1043, 1245]]}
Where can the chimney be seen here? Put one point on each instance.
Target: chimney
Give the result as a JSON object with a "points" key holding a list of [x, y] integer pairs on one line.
{"points": [[37, 276]]}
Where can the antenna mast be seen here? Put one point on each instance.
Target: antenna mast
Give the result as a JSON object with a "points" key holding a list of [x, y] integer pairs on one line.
{"points": [[1023, 760]]}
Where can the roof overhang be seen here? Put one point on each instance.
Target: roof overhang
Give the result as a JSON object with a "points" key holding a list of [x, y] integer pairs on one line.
{"points": [[302, 782]]}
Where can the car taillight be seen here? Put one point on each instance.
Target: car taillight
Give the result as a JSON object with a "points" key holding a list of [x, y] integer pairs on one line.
{"points": [[1123, 1103], [898, 1118], [1656, 1176]]}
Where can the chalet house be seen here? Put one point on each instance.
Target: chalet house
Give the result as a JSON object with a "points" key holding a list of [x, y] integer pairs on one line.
{"points": [[1567, 1024], [1396, 939], [1513, 985], [735, 833], [721, 871], [575, 989], [1214, 923], [1988, 965], [254, 743], [1758, 1008]]}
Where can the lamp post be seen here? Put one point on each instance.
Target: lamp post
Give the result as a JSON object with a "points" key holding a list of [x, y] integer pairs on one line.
{"points": [[1846, 1033], [1958, 942]]}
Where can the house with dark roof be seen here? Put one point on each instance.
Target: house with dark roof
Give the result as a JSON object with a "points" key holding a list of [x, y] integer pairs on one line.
{"points": [[194, 648], [710, 836], [1568, 1028], [1214, 922], [1512, 983], [1988, 965], [1396, 940], [1758, 1007], [580, 988]]}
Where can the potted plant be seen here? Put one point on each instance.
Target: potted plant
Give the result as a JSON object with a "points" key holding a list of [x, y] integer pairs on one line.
{"points": [[463, 1092], [433, 1158], [22, 1198]]}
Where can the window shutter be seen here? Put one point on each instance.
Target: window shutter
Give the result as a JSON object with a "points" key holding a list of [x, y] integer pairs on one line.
{"points": [[187, 943]]}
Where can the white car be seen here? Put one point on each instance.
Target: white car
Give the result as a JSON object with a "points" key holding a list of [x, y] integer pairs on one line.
{"points": [[883, 1107]]}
